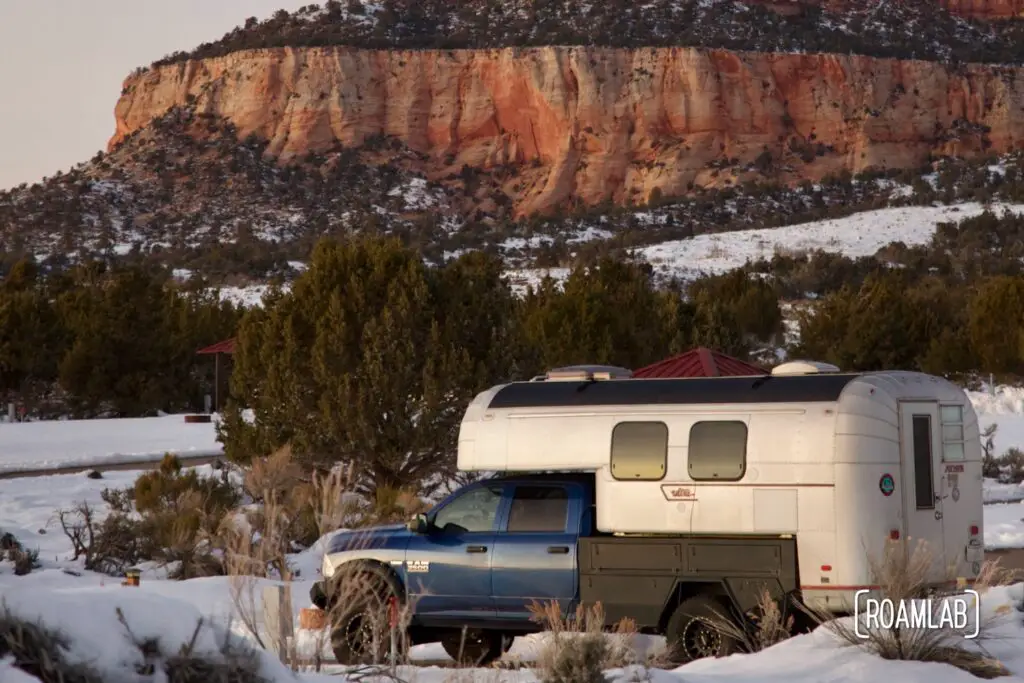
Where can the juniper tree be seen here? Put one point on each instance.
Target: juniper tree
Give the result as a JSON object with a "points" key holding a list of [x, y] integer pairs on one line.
{"points": [[370, 361]]}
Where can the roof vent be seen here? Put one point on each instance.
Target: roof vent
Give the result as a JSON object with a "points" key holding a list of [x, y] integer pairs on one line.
{"points": [[586, 373], [804, 367]]}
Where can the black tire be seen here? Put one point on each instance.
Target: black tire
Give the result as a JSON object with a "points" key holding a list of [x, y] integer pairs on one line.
{"points": [[694, 631], [477, 648], [360, 627]]}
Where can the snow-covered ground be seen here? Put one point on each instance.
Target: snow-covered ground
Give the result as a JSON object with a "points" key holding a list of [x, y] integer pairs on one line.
{"points": [[83, 606], [45, 445], [87, 613]]}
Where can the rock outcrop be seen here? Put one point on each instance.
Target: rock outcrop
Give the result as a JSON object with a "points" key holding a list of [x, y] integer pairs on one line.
{"points": [[595, 124]]}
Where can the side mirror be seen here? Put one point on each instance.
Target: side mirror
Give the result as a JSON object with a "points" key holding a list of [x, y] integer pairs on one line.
{"points": [[418, 524]]}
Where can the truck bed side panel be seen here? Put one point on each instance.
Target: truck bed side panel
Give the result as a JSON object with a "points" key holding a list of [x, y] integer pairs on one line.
{"points": [[636, 577]]}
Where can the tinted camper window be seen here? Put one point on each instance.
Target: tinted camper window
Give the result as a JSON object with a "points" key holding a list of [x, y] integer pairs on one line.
{"points": [[718, 451], [639, 451]]}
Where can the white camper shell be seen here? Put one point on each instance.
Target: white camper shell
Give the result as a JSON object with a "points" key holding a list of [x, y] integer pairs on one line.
{"points": [[839, 461]]}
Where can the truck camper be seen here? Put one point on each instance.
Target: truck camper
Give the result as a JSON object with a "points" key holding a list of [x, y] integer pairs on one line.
{"points": [[671, 501]]}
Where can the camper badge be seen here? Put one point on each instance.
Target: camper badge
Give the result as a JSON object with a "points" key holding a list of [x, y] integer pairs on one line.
{"points": [[678, 492], [887, 484]]}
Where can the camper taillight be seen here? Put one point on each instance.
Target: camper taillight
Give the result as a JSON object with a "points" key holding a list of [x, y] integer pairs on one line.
{"points": [[894, 534], [974, 530]]}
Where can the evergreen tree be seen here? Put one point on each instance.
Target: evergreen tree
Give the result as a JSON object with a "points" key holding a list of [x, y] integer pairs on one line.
{"points": [[606, 313], [996, 324], [370, 360]]}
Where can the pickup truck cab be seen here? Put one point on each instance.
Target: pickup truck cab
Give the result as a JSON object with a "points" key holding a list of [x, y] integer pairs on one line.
{"points": [[467, 571]]}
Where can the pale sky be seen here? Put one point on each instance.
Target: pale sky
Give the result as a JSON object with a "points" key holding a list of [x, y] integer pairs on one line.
{"points": [[62, 63]]}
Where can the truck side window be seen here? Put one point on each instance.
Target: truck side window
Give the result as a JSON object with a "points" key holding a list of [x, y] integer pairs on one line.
{"points": [[473, 511], [539, 508], [639, 451], [718, 451]]}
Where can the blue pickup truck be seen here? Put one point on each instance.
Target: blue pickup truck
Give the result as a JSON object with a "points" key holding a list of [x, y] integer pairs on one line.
{"points": [[468, 570]]}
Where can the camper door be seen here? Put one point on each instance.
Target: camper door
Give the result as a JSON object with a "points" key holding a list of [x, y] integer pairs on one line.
{"points": [[922, 489]]}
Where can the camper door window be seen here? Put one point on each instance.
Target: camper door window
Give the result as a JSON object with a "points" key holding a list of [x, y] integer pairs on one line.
{"points": [[952, 419]]}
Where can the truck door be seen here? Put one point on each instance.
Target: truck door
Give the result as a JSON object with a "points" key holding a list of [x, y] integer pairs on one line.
{"points": [[448, 569], [921, 465], [535, 548]]}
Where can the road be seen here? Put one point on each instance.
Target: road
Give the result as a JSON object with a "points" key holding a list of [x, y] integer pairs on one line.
{"points": [[128, 465]]}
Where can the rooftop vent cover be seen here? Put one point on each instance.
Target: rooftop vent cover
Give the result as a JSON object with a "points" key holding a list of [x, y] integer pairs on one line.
{"points": [[804, 367], [585, 373]]}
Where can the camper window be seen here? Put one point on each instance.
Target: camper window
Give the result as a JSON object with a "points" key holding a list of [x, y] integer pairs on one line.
{"points": [[538, 509], [952, 433], [718, 451], [639, 451]]}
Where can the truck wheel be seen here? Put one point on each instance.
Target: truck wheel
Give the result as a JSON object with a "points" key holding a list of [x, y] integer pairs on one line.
{"points": [[477, 648], [360, 628], [694, 630]]}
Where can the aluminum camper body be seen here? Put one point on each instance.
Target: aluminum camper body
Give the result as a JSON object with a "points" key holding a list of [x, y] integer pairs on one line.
{"points": [[840, 462]]}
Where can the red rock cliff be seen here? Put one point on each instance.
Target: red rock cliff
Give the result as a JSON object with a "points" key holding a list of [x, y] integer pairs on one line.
{"points": [[596, 124]]}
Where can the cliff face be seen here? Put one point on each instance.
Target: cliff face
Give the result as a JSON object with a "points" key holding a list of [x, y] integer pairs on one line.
{"points": [[595, 124]]}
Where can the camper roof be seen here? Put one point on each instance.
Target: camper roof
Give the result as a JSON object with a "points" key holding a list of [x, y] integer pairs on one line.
{"points": [[811, 388]]}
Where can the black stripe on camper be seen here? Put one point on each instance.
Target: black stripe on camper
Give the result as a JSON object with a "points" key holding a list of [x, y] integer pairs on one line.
{"points": [[767, 389]]}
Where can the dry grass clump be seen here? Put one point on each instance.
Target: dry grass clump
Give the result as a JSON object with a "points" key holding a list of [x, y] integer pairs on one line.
{"points": [[579, 649], [905, 575], [41, 652], [23, 559], [291, 504], [766, 625]]}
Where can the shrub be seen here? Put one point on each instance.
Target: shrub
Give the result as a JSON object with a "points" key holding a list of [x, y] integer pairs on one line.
{"points": [[1011, 466], [578, 649], [42, 652], [24, 560], [170, 516], [989, 464]]}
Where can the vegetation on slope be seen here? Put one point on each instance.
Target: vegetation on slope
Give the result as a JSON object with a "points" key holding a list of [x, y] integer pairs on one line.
{"points": [[905, 29]]}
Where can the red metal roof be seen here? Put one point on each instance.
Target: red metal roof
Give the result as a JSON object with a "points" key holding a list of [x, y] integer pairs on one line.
{"points": [[226, 346], [699, 362]]}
